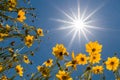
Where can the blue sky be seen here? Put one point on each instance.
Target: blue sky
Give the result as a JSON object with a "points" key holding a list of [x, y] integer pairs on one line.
{"points": [[107, 17]]}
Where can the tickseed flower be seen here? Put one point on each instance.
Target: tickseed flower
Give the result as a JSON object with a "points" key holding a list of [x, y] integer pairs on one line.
{"points": [[73, 63], [112, 63], [21, 15], [95, 58], [59, 51], [1, 68], [82, 59], [97, 69], [48, 63], [25, 59], [93, 47], [44, 71], [40, 32], [12, 4], [62, 75], [2, 35], [7, 27], [19, 70], [3, 78], [29, 40]]}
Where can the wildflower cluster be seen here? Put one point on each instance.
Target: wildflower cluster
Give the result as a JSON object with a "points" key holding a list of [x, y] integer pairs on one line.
{"points": [[17, 37]]}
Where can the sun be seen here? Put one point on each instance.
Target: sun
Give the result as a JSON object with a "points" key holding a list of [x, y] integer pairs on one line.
{"points": [[79, 24]]}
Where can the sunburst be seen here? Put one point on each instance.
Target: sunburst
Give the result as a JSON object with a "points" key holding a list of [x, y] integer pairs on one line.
{"points": [[79, 24]]}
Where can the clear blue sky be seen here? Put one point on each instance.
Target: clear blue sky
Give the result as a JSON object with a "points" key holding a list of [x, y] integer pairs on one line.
{"points": [[107, 17]]}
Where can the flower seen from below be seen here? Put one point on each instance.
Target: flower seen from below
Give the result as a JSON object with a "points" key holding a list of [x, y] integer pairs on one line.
{"points": [[93, 47], [82, 59], [3, 35], [112, 63], [40, 32], [1, 68], [25, 59], [19, 70], [7, 27], [63, 75], [59, 51], [48, 63], [97, 69], [44, 71], [21, 15], [95, 58], [3, 78], [73, 63], [12, 4], [29, 40]]}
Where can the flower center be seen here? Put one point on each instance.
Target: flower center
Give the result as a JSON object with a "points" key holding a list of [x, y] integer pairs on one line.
{"points": [[112, 63], [61, 53], [82, 59], [93, 50]]}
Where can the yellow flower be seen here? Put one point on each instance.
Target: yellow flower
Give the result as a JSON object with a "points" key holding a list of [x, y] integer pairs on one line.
{"points": [[25, 59], [48, 63], [12, 4], [62, 75], [21, 15], [93, 47], [19, 70], [2, 35], [44, 71], [3, 78], [40, 32], [82, 59], [59, 51], [97, 69], [1, 68], [112, 63], [29, 40], [95, 58], [73, 63], [7, 27]]}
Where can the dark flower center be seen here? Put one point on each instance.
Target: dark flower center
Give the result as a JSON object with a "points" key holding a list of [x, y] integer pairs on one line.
{"points": [[82, 59], [112, 63], [64, 77], [93, 50], [48, 61], [74, 62], [61, 53]]}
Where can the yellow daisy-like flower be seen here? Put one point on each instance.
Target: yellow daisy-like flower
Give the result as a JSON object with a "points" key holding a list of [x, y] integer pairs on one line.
{"points": [[12, 4], [93, 47], [1, 68], [62, 75], [25, 59], [3, 78], [44, 71], [7, 27], [59, 51], [40, 32], [48, 63], [29, 40], [97, 69], [112, 63], [2, 35], [82, 59], [21, 15], [95, 58], [19, 70], [73, 63]]}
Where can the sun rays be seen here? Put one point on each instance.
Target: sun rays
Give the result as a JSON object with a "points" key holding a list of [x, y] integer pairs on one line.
{"points": [[78, 23]]}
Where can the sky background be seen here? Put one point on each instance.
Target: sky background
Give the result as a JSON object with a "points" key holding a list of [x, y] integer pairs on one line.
{"points": [[107, 17]]}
